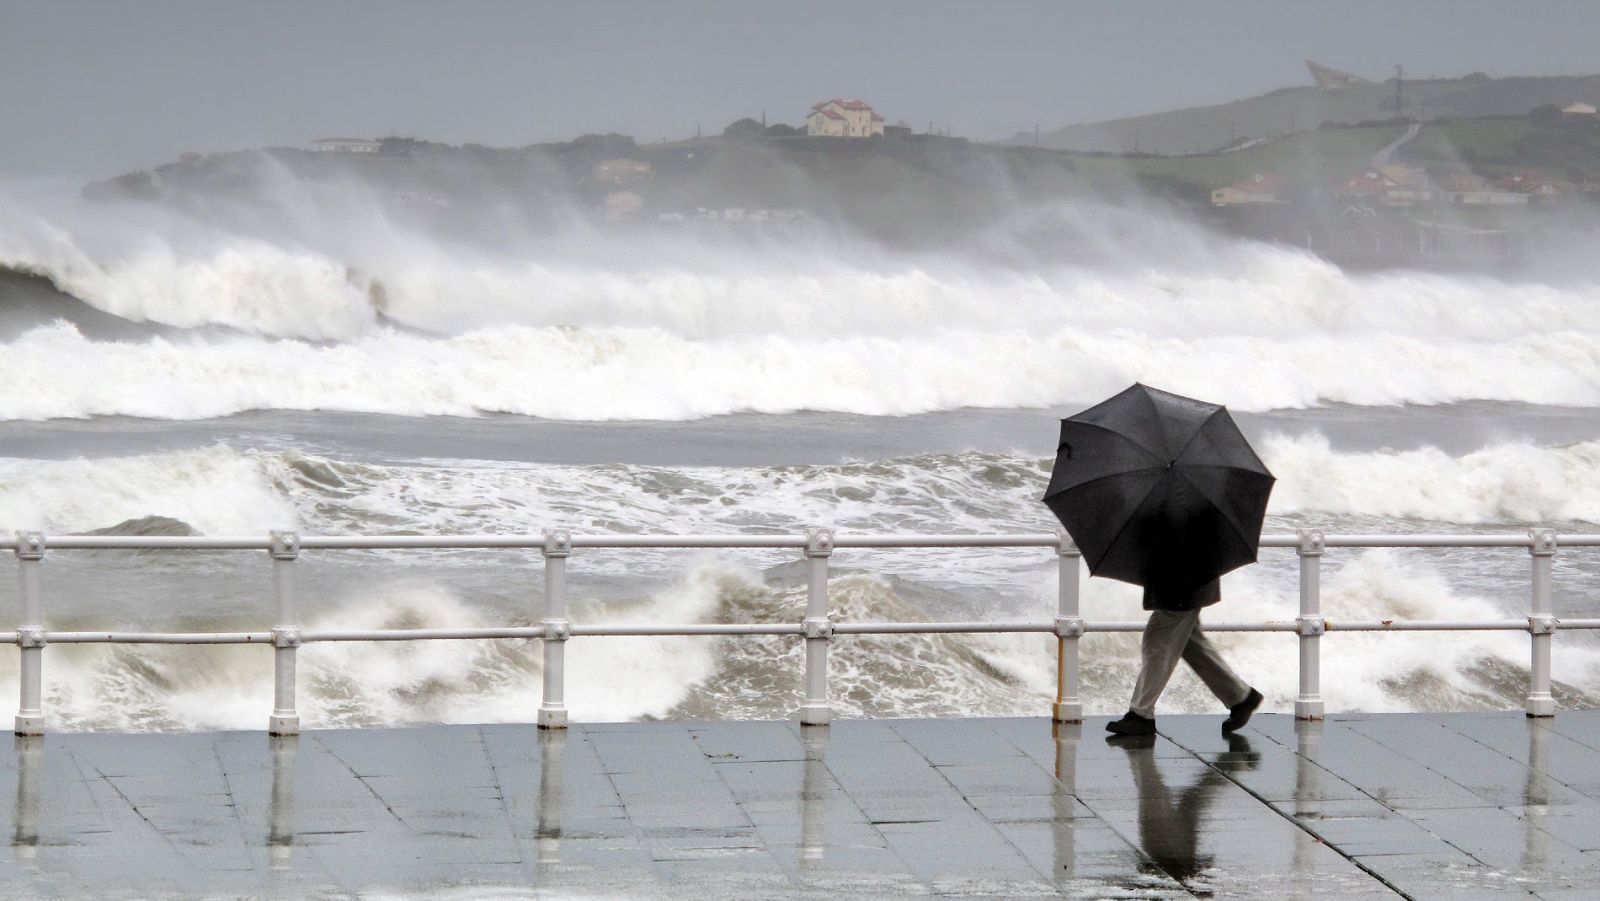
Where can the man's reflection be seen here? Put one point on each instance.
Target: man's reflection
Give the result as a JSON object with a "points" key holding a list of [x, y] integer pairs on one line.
{"points": [[1169, 824]]}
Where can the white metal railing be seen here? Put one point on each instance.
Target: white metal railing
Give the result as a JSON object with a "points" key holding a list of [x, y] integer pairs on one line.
{"points": [[816, 629]]}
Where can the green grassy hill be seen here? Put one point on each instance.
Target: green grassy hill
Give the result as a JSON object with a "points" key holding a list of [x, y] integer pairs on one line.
{"points": [[1566, 150], [1291, 110]]}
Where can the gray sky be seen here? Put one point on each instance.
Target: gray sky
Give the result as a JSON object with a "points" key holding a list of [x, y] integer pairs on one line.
{"points": [[94, 88]]}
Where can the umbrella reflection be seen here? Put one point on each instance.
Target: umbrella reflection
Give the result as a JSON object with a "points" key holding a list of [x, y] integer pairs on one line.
{"points": [[1169, 822]]}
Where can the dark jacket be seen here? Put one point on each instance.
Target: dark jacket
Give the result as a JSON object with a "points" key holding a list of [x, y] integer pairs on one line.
{"points": [[1160, 598]]}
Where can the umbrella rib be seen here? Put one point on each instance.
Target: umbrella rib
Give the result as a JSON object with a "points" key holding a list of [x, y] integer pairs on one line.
{"points": [[1124, 527], [1196, 434], [1238, 530], [1110, 431]]}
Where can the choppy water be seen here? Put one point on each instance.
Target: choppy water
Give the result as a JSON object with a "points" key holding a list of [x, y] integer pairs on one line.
{"points": [[345, 373]]}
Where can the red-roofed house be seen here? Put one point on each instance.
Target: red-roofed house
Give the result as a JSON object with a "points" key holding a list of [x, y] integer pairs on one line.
{"points": [[1535, 184], [844, 119], [1258, 188]]}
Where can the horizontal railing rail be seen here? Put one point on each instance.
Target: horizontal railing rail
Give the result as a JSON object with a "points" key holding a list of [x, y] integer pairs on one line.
{"points": [[817, 629]]}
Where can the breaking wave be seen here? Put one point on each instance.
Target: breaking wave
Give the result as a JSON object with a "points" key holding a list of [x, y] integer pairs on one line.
{"points": [[350, 309]]}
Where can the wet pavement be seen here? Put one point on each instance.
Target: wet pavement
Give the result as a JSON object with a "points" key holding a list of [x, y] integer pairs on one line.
{"points": [[1414, 805]]}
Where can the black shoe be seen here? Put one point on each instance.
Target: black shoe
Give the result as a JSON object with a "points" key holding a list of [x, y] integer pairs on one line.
{"points": [[1132, 724], [1239, 714]]}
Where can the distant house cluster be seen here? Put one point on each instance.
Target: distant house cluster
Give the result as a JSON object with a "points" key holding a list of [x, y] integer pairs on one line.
{"points": [[844, 119], [1398, 186]]}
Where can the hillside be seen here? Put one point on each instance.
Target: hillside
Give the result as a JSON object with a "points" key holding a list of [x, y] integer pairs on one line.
{"points": [[1290, 110]]}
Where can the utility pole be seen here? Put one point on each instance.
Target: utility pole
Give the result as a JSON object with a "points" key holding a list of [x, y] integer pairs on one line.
{"points": [[1399, 80], [1036, 134]]}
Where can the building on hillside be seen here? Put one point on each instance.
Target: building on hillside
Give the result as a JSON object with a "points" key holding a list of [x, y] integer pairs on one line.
{"points": [[1258, 188], [1578, 109], [1536, 185], [618, 172], [1398, 186], [1471, 189], [622, 205], [346, 145], [844, 119], [1332, 79], [1408, 185]]}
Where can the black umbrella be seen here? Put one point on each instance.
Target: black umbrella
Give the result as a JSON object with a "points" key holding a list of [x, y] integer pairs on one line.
{"points": [[1158, 489]]}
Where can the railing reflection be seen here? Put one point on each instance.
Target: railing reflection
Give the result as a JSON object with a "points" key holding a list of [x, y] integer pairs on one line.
{"points": [[547, 834], [813, 796], [1536, 797], [280, 809], [30, 760], [1064, 800]]}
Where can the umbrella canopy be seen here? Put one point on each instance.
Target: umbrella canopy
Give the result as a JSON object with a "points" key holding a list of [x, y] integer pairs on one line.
{"points": [[1159, 490]]}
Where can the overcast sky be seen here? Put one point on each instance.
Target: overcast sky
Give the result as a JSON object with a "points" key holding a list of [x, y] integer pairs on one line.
{"points": [[94, 88]]}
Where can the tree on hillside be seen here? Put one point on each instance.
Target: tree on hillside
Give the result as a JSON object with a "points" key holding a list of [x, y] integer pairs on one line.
{"points": [[1546, 114], [745, 128], [780, 130]]}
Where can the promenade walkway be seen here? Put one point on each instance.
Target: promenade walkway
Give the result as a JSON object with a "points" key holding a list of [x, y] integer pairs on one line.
{"points": [[1422, 806]]}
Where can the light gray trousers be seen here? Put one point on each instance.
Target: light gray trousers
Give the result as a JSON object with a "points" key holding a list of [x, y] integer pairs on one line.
{"points": [[1173, 635]]}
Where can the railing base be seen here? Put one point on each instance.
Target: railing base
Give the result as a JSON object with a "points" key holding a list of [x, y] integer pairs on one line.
{"points": [[1308, 710], [1541, 706], [552, 718], [1067, 713], [30, 724], [283, 725], [815, 714]]}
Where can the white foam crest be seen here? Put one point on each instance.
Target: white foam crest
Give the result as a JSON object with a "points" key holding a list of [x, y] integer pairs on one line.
{"points": [[1500, 483], [216, 490], [143, 273], [597, 325], [628, 373]]}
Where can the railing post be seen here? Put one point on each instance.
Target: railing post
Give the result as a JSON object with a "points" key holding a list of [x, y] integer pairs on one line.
{"points": [[818, 628], [553, 709], [1069, 628], [1310, 625], [30, 634], [285, 718], [1541, 623]]}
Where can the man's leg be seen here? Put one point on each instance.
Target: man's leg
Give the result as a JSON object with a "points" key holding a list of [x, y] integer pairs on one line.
{"points": [[1202, 657], [1166, 636]]}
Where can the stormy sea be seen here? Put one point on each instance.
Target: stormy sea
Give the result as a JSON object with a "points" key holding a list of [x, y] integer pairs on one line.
{"points": [[336, 365]]}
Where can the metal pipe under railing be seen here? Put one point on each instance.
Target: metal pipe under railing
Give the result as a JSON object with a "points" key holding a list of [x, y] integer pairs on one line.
{"points": [[817, 628], [776, 541]]}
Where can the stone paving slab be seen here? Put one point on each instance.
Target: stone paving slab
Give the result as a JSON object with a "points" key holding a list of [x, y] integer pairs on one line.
{"points": [[1395, 805]]}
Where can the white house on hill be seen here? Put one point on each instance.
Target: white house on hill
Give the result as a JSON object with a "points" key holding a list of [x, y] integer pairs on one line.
{"points": [[844, 119]]}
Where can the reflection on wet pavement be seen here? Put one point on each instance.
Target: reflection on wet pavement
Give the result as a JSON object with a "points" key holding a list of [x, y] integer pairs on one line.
{"points": [[1358, 806]]}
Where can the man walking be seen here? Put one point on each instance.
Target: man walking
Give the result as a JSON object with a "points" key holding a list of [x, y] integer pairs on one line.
{"points": [[1173, 633]]}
